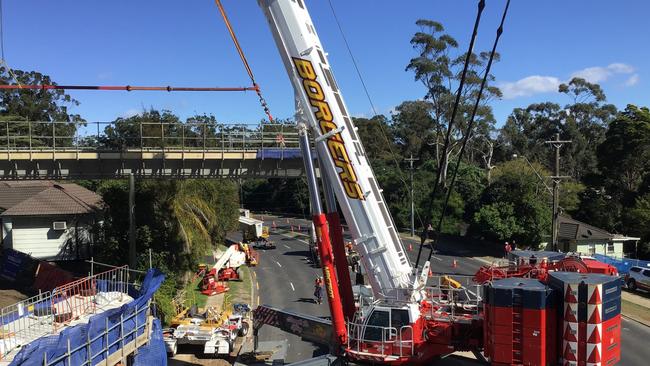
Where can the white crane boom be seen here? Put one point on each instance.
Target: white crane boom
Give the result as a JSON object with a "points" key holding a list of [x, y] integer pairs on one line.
{"points": [[343, 162]]}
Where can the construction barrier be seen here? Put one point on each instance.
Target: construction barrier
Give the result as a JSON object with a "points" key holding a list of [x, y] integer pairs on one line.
{"points": [[155, 352], [623, 265], [111, 334]]}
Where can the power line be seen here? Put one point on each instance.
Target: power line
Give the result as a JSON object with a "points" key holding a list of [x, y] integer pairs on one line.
{"points": [[372, 105], [470, 125], [443, 163]]}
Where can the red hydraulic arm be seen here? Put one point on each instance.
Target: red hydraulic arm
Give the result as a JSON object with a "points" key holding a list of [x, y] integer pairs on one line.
{"points": [[329, 277], [340, 260]]}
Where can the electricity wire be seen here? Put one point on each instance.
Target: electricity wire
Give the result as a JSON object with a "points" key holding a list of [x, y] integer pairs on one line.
{"points": [[129, 88], [468, 131], [384, 134], [441, 166]]}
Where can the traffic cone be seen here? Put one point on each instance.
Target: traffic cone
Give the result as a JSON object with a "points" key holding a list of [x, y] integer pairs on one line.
{"points": [[287, 220], [454, 264], [410, 247], [299, 228], [274, 226], [430, 273]]}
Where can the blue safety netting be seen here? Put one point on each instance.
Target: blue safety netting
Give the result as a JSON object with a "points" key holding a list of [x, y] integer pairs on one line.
{"points": [[622, 265], [279, 153], [101, 335], [155, 352]]}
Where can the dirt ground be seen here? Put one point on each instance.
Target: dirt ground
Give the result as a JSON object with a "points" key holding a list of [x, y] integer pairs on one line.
{"points": [[192, 360], [8, 297]]}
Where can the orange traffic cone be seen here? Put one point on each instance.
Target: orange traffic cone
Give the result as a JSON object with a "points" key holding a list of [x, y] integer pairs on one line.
{"points": [[454, 264], [410, 247], [430, 273]]}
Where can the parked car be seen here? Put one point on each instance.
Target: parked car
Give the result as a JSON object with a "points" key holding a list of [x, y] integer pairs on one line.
{"points": [[638, 278]]}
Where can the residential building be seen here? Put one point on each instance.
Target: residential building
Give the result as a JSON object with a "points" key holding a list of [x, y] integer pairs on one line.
{"points": [[48, 220]]}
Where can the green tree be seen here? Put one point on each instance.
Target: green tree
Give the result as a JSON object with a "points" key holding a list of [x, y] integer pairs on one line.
{"points": [[44, 113], [516, 203], [623, 155], [438, 66]]}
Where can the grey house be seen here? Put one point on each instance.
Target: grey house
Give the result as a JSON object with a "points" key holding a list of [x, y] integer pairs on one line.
{"points": [[48, 220], [579, 237]]}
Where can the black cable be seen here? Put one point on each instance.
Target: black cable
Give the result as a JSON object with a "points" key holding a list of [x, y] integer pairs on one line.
{"points": [[423, 236], [468, 131]]}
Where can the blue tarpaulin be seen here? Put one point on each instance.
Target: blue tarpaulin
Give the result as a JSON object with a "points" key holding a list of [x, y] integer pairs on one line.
{"points": [[622, 264], [279, 153], [56, 346], [155, 352]]}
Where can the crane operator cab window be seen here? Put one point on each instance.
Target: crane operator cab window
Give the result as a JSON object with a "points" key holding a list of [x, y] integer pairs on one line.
{"points": [[389, 322]]}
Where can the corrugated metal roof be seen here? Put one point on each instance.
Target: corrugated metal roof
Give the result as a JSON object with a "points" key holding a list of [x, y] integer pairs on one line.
{"points": [[573, 229], [47, 198]]}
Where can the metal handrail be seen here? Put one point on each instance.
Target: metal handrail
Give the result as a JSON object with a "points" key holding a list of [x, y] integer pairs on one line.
{"points": [[125, 135], [360, 329]]}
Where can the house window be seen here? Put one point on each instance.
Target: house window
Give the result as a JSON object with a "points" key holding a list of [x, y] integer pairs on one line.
{"points": [[610, 247]]}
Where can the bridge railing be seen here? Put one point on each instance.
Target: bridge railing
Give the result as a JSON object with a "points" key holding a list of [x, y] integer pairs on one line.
{"points": [[128, 135]]}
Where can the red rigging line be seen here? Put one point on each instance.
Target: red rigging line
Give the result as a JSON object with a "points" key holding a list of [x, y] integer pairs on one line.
{"points": [[265, 106], [129, 88]]}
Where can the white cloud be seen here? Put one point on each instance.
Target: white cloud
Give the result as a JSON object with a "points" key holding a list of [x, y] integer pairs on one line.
{"points": [[599, 74], [529, 85], [538, 84], [632, 80]]}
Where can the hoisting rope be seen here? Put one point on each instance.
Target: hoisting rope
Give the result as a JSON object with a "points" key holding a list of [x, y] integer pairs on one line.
{"points": [[468, 130], [243, 59], [129, 88], [437, 183]]}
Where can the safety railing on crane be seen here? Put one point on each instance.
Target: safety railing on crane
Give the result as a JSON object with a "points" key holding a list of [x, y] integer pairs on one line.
{"points": [[143, 136], [381, 341], [452, 296]]}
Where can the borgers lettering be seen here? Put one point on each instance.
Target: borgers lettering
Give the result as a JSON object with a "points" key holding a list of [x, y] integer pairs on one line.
{"points": [[326, 122]]}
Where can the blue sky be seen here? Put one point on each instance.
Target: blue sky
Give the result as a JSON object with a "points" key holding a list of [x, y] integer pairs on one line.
{"points": [[185, 43]]}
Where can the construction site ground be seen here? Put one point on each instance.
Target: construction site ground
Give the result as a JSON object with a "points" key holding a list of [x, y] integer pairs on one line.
{"points": [[239, 292]]}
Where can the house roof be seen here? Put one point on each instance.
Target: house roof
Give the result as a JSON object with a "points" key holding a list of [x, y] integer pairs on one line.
{"points": [[30, 198], [572, 229]]}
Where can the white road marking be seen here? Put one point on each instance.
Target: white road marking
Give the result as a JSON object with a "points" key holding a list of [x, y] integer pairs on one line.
{"points": [[434, 257], [278, 263], [293, 288], [286, 246]]}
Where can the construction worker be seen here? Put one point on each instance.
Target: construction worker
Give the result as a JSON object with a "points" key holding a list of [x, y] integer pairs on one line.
{"points": [[507, 249], [318, 290]]}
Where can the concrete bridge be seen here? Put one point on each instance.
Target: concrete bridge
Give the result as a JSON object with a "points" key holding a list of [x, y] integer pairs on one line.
{"points": [[97, 150]]}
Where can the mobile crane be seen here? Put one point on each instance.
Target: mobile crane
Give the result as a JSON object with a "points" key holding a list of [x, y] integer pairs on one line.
{"points": [[403, 323]]}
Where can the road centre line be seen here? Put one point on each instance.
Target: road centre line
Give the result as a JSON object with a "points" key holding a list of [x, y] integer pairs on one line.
{"points": [[293, 288], [278, 263]]}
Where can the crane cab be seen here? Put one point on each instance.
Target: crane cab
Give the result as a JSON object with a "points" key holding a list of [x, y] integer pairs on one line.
{"points": [[383, 330]]}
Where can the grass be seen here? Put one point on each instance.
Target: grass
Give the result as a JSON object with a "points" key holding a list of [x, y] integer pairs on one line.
{"points": [[635, 311], [240, 291], [193, 295]]}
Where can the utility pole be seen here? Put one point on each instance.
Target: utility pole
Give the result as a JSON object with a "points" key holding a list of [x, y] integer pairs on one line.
{"points": [[557, 144], [411, 160], [132, 251]]}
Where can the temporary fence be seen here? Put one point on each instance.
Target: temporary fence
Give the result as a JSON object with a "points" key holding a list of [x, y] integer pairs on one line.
{"points": [[155, 353], [623, 265], [103, 324]]}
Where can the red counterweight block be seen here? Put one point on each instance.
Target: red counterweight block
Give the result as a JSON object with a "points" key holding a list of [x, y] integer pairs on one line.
{"points": [[520, 323]]}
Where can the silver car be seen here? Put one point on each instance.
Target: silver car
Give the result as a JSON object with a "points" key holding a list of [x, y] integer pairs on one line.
{"points": [[638, 278]]}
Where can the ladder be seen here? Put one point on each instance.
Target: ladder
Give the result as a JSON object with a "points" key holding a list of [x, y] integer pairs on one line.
{"points": [[517, 328]]}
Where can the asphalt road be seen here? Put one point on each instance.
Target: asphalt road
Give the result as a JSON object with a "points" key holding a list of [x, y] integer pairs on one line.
{"points": [[286, 280]]}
